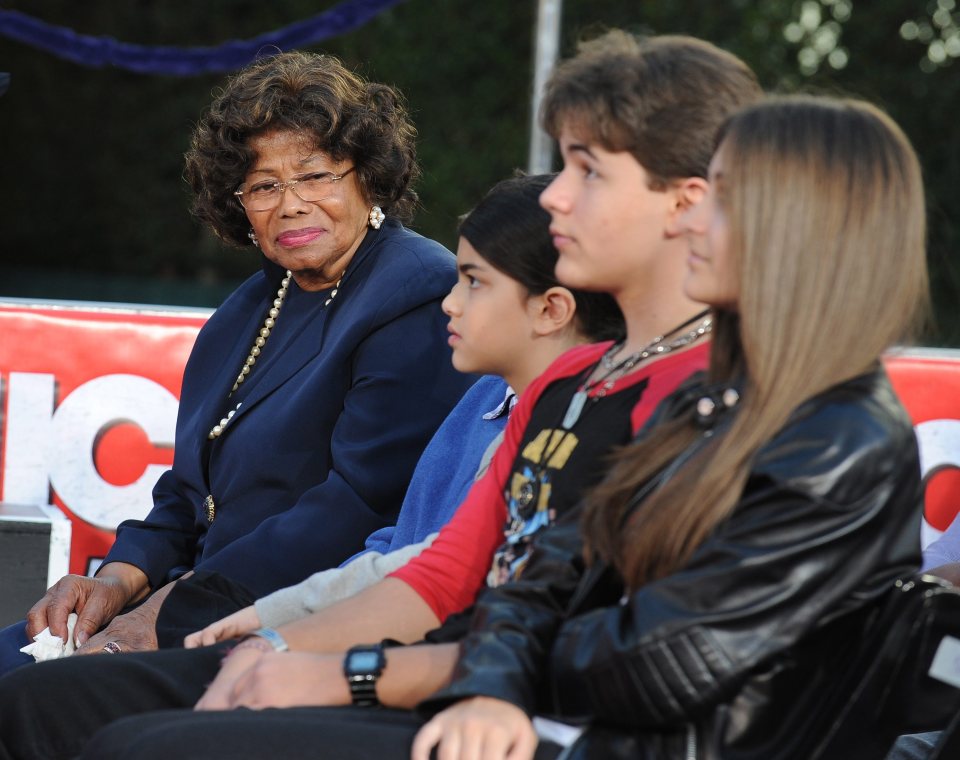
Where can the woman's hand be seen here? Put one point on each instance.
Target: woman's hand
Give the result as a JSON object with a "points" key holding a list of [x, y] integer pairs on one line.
{"points": [[95, 600], [481, 728], [232, 626], [136, 631], [277, 679]]}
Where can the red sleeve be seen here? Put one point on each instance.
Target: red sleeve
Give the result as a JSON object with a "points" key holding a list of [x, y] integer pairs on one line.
{"points": [[450, 573], [665, 377]]}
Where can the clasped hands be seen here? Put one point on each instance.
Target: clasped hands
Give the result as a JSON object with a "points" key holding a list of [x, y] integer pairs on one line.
{"points": [[253, 678], [96, 601], [475, 728]]}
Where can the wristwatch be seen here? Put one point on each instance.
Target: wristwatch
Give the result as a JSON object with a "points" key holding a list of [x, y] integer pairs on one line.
{"points": [[362, 667]]}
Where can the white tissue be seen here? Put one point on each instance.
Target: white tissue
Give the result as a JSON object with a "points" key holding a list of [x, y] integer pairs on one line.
{"points": [[46, 646]]}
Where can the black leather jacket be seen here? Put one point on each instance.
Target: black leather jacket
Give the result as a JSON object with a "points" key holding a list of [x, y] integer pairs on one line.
{"points": [[732, 655]]}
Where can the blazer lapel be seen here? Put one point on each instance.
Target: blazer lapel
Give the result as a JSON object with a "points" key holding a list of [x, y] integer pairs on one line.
{"points": [[297, 353]]}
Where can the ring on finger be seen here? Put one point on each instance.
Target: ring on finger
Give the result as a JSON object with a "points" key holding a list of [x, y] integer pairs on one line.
{"points": [[112, 647]]}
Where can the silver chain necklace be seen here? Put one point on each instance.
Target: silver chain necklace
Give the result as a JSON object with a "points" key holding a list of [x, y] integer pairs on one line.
{"points": [[616, 370], [529, 492]]}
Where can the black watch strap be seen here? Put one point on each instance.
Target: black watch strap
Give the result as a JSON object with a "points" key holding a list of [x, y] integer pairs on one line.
{"points": [[362, 667], [363, 690]]}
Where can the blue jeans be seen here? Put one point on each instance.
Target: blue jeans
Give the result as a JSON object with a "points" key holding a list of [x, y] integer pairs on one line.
{"points": [[11, 639], [914, 746]]}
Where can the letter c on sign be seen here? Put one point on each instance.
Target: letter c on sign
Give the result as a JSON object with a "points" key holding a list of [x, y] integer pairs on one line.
{"points": [[94, 406]]}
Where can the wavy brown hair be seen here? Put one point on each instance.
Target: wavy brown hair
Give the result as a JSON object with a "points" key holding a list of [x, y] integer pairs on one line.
{"points": [[827, 226], [344, 116], [663, 99]]}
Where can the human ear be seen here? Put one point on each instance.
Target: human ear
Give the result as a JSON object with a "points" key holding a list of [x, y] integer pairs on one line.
{"points": [[686, 193], [554, 310]]}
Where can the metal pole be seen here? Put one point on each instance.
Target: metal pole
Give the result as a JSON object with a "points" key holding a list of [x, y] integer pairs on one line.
{"points": [[547, 50]]}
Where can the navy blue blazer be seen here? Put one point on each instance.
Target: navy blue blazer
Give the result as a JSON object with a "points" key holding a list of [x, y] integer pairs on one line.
{"points": [[320, 453]]}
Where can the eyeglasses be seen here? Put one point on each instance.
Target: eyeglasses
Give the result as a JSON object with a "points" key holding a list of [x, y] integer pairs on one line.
{"points": [[264, 196]]}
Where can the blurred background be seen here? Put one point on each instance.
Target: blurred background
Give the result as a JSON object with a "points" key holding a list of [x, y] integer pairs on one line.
{"points": [[93, 206]]}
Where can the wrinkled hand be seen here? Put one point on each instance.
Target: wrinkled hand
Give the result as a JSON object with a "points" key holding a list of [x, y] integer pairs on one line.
{"points": [[95, 600], [135, 631], [481, 728], [232, 626], [284, 679]]}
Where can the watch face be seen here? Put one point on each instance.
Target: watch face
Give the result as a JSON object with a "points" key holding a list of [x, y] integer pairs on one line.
{"points": [[364, 662]]}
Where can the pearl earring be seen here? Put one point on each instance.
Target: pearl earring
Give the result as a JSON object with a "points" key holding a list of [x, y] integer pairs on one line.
{"points": [[253, 238], [376, 217]]}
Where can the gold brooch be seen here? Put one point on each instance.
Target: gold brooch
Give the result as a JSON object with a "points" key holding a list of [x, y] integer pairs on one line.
{"points": [[210, 507]]}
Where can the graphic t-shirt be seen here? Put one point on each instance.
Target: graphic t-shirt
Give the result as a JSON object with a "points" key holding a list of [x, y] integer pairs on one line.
{"points": [[450, 573], [554, 466]]}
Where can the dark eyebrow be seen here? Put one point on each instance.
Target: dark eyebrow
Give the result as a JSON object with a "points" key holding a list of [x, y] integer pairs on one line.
{"points": [[581, 148], [467, 268], [311, 157]]}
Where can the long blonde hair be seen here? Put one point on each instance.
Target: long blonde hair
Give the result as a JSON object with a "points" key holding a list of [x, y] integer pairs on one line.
{"points": [[827, 226]]}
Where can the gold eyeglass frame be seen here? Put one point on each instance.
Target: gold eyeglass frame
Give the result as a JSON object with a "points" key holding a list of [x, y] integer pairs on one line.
{"points": [[291, 184]]}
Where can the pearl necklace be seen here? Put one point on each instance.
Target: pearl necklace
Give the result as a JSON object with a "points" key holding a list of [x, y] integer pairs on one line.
{"points": [[259, 343]]}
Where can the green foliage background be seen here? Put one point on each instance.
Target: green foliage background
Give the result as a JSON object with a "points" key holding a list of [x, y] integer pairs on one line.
{"points": [[92, 201]]}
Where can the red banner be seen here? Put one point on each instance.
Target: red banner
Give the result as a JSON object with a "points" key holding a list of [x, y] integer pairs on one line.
{"points": [[89, 399]]}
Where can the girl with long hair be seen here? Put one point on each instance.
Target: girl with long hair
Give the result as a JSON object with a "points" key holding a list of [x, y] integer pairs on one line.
{"points": [[735, 550]]}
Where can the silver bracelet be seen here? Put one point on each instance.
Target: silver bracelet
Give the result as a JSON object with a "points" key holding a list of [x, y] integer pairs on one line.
{"points": [[273, 638]]}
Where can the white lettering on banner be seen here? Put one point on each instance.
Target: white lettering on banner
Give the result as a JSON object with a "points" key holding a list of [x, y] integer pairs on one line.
{"points": [[29, 439], [939, 443], [44, 448]]}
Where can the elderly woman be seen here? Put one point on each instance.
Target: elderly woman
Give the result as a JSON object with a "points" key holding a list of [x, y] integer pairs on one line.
{"points": [[312, 390]]}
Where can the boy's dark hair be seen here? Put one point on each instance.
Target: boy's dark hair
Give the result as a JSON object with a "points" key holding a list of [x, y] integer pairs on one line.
{"points": [[510, 230]]}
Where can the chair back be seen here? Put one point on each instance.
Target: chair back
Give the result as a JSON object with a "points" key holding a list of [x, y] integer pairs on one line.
{"points": [[905, 677]]}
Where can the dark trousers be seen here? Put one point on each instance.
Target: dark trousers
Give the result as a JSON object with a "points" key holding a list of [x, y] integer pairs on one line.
{"points": [[310, 733], [138, 706], [12, 639], [51, 709]]}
